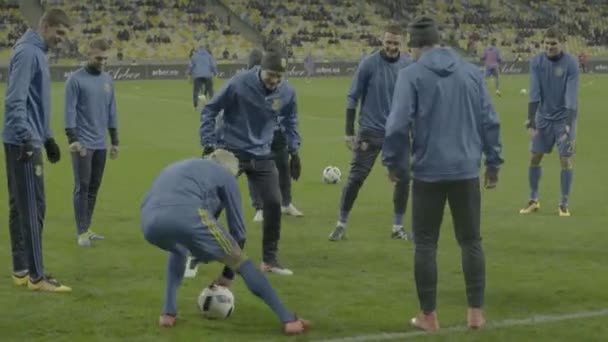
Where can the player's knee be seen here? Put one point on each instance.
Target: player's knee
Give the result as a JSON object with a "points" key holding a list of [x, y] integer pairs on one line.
{"points": [[82, 187], [469, 241], [357, 177], [535, 159], [566, 163], [235, 258], [272, 202]]}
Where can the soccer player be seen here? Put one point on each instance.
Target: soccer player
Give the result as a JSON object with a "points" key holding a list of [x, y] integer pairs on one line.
{"points": [[27, 116], [443, 103], [179, 214], [252, 102], [582, 61], [202, 70], [90, 110], [309, 66], [492, 59], [281, 153], [552, 112], [372, 85]]}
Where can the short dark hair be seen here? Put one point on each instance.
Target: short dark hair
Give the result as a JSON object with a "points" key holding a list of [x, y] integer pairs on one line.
{"points": [[555, 33], [395, 29], [56, 17], [100, 44]]}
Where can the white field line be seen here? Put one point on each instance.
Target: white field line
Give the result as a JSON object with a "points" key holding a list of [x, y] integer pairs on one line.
{"points": [[507, 323]]}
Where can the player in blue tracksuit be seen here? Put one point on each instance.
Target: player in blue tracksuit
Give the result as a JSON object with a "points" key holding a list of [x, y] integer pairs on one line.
{"points": [[281, 153], [372, 86], [202, 69], [251, 102], [27, 116], [90, 112], [441, 102], [552, 113], [179, 215]]}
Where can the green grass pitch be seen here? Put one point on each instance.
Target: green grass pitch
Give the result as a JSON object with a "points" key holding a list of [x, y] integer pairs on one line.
{"points": [[540, 264]]}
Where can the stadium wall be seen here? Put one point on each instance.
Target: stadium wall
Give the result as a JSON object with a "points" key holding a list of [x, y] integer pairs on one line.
{"points": [[178, 71]]}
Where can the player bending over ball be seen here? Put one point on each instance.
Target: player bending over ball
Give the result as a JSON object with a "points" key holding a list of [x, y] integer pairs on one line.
{"points": [[179, 214]]}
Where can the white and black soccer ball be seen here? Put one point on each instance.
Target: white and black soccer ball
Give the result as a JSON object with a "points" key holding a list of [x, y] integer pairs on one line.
{"points": [[216, 302], [331, 175]]}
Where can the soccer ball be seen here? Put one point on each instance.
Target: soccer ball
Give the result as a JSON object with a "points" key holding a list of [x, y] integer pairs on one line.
{"points": [[331, 175], [524, 91], [216, 302]]}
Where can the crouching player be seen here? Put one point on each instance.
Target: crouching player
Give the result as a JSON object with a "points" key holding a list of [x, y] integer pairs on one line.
{"points": [[179, 214]]}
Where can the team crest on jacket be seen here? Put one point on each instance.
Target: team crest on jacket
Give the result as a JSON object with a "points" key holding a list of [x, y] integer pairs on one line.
{"points": [[559, 72], [107, 87], [276, 104]]}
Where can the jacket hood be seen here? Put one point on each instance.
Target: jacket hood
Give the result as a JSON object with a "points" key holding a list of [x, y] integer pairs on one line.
{"points": [[442, 61], [32, 37]]}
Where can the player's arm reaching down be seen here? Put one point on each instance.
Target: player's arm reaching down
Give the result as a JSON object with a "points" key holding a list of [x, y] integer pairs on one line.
{"points": [[396, 149], [572, 82], [208, 115], [230, 196], [357, 90], [490, 136], [534, 98], [69, 115], [113, 126], [290, 124]]}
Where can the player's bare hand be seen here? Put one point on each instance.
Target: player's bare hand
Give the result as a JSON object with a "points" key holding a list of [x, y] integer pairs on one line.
{"points": [[222, 281], [167, 321], [491, 177], [394, 176], [114, 152], [352, 142], [531, 133]]}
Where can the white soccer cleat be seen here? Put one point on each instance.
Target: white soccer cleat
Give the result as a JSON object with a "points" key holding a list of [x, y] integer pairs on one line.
{"points": [[276, 268], [259, 216], [291, 210]]}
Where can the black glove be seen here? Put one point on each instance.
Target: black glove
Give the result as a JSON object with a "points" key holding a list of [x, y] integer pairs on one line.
{"points": [[53, 153], [207, 150], [295, 167], [26, 152], [491, 177]]}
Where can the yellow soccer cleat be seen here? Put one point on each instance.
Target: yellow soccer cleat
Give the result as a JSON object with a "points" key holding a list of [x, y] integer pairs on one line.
{"points": [[563, 211], [532, 207], [21, 280], [48, 284]]}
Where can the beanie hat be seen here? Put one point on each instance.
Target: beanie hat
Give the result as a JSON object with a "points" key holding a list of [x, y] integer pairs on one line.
{"points": [[274, 61], [423, 32]]}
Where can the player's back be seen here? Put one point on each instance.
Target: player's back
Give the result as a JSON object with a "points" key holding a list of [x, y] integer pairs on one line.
{"points": [[553, 77], [191, 182]]}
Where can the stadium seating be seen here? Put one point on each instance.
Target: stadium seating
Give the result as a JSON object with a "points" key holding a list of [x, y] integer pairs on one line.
{"points": [[329, 29]]}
